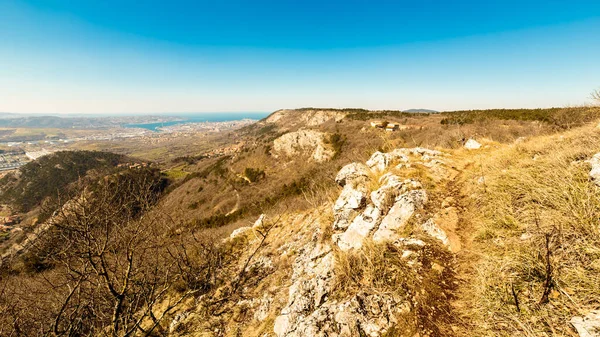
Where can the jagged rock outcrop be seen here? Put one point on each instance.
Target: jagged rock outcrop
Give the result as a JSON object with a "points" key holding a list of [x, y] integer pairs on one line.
{"points": [[399, 215], [351, 198], [310, 312], [304, 142], [389, 208], [360, 228], [318, 117], [391, 201], [311, 282], [358, 215], [380, 161], [352, 172], [391, 187]]}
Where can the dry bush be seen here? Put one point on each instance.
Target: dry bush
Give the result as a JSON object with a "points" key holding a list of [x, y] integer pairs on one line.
{"points": [[538, 232], [595, 95], [105, 268]]}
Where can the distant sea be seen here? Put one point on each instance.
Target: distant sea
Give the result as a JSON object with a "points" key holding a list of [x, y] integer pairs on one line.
{"points": [[199, 118]]}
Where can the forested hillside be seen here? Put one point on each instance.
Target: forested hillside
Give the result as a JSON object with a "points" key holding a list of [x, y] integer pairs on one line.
{"points": [[49, 176]]}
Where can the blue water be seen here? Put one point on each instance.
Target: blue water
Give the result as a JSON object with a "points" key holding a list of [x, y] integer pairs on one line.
{"points": [[200, 117]]}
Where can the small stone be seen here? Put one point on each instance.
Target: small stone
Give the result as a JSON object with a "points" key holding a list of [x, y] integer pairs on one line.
{"points": [[589, 325], [472, 144], [260, 221], [239, 232], [525, 236], [595, 171], [434, 231], [448, 202]]}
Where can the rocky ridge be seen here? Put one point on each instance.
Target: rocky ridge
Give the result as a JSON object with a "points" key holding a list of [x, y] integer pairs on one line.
{"points": [[308, 117], [379, 216]]}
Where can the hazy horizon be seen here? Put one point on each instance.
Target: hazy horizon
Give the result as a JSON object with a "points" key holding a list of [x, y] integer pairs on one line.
{"points": [[130, 58]]}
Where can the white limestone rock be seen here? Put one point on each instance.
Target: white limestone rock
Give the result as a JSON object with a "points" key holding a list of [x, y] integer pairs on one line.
{"points": [[352, 172], [351, 198], [402, 210], [304, 142], [436, 232], [589, 325], [318, 117], [378, 161], [423, 152], [359, 229], [595, 171], [392, 186], [260, 221], [239, 232], [312, 282], [177, 321], [472, 144]]}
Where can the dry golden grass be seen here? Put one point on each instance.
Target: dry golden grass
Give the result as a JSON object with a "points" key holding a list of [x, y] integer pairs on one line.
{"points": [[537, 237]]}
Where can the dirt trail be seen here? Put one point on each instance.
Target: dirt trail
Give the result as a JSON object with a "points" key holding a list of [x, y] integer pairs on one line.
{"points": [[467, 257], [237, 204]]}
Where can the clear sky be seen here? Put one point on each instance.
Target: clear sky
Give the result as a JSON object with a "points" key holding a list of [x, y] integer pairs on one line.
{"points": [[152, 56]]}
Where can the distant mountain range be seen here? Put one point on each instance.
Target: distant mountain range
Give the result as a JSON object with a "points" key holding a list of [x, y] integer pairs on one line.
{"points": [[421, 111]]}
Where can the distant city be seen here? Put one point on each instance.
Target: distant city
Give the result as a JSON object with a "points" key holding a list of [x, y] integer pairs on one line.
{"points": [[26, 138]]}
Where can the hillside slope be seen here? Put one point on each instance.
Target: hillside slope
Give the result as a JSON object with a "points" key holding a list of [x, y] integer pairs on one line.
{"points": [[393, 233]]}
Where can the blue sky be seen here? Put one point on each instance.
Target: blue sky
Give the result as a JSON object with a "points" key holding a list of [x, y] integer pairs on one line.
{"points": [[194, 56]]}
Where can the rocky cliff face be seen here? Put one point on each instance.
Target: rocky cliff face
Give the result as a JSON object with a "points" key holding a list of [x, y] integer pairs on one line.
{"points": [[309, 143], [308, 117]]}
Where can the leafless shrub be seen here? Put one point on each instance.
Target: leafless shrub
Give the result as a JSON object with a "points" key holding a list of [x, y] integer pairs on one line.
{"points": [[111, 270]]}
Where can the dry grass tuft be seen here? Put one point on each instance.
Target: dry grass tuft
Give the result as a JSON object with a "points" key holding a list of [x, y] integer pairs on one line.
{"points": [[539, 237]]}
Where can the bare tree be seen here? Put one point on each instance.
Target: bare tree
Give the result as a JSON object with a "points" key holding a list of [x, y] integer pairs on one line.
{"points": [[113, 268], [595, 95]]}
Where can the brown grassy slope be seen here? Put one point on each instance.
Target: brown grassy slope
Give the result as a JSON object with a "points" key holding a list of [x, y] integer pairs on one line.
{"points": [[200, 196], [536, 239]]}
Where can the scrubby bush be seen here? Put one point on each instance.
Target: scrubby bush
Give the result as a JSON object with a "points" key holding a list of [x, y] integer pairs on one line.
{"points": [[336, 141], [559, 117], [253, 174]]}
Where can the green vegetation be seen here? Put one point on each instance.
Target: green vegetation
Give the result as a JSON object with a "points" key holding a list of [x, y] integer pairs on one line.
{"points": [[336, 141], [363, 115], [175, 174], [560, 117], [50, 176], [190, 160]]}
